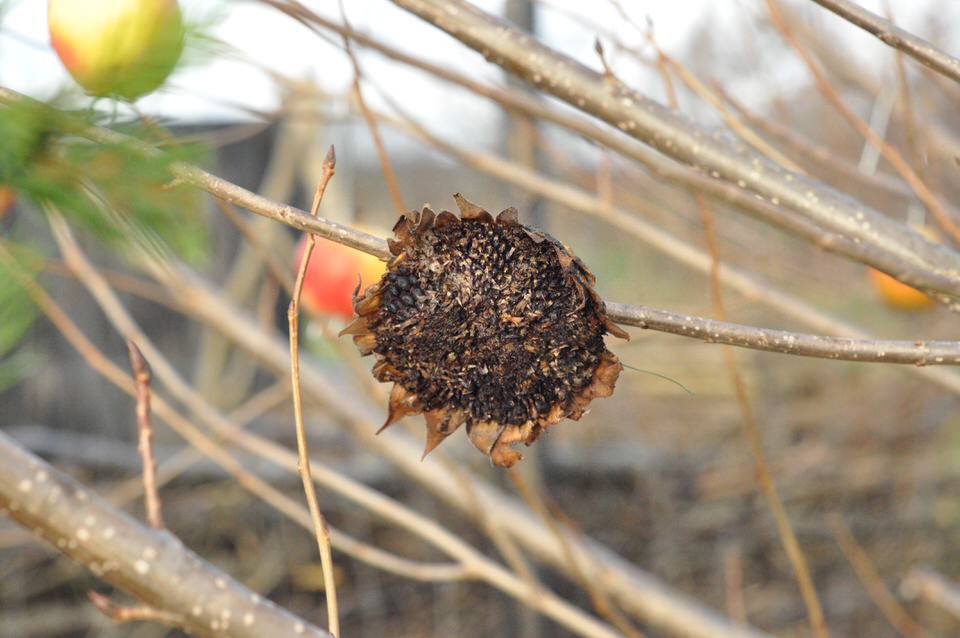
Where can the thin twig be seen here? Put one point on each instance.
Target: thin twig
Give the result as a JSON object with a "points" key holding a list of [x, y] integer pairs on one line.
{"points": [[906, 100], [892, 35], [752, 431], [141, 375], [734, 597], [293, 318], [867, 573]]}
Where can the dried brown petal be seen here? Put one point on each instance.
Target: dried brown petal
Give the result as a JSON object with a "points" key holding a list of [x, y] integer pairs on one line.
{"points": [[488, 323], [402, 403], [366, 343], [440, 425], [509, 216], [469, 210]]}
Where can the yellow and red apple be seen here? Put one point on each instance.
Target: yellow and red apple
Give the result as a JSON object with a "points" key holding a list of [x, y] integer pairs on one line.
{"points": [[117, 48], [332, 276]]}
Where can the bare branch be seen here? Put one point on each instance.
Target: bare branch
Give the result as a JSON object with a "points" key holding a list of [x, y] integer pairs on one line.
{"points": [[121, 613], [892, 35], [389, 176], [920, 353], [153, 566]]}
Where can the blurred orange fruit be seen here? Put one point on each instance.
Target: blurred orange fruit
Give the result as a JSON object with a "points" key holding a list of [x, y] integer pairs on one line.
{"points": [[897, 294], [332, 276]]}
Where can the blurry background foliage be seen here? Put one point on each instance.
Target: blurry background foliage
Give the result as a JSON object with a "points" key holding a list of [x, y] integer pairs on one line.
{"points": [[17, 313]]}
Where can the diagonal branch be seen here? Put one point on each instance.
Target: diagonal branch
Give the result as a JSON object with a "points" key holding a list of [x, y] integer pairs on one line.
{"points": [[320, 527], [892, 35], [154, 566]]}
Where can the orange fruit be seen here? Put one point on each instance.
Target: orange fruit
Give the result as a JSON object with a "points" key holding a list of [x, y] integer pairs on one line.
{"points": [[332, 276], [897, 294]]}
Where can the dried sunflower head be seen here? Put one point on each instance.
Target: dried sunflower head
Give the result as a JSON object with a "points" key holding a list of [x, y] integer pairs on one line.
{"points": [[488, 323]]}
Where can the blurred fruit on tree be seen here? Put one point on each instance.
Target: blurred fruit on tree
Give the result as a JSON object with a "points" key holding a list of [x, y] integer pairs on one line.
{"points": [[897, 294], [332, 277], [117, 48]]}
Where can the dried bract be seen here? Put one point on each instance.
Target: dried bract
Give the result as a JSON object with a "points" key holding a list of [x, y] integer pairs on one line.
{"points": [[488, 323]]}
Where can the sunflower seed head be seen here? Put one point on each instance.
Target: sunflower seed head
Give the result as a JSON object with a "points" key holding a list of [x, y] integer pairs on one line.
{"points": [[485, 322]]}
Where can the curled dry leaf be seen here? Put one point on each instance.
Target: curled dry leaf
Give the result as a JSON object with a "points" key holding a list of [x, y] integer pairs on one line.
{"points": [[485, 322]]}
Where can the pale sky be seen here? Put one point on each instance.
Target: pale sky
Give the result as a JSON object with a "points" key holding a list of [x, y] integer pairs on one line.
{"points": [[205, 90], [28, 65]]}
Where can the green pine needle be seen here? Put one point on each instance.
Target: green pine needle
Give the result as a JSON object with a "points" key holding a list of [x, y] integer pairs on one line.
{"points": [[661, 376]]}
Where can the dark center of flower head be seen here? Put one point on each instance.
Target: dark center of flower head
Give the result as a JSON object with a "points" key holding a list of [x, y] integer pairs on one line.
{"points": [[488, 323], [481, 318]]}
